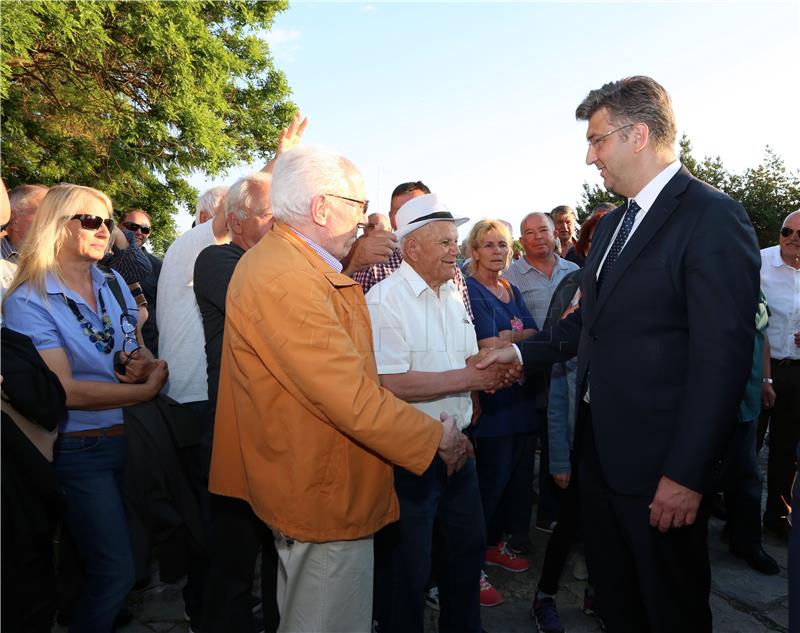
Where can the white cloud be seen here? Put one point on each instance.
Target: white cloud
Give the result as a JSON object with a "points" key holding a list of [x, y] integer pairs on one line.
{"points": [[369, 8], [283, 43]]}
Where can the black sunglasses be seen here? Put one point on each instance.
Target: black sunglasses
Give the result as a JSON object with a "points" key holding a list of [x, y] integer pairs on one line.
{"points": [[787, 232], [132, 226], [93, 222]]}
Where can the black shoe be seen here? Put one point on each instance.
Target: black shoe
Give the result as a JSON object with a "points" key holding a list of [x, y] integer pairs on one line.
{"points": [[758, 559]]}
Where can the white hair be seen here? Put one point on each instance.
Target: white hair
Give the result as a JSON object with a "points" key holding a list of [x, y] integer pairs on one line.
{"points": [[533, 215], [22, 197], [300, 175], [239, 199], [209, 201]]}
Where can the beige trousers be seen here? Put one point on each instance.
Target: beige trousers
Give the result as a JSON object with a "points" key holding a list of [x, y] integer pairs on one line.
{"points": [[325, 587]]}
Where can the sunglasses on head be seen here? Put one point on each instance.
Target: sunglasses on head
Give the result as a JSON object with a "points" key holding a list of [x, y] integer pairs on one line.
{"points": [[132, 226], [93, 222], [787, 232]]}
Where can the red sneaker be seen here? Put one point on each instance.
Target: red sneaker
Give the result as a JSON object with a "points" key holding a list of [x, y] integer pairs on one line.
{"points": [[490, 597], [501, 556]]}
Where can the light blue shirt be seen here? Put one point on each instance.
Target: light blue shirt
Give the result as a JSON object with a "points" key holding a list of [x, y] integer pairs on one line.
{"points": [[537, 289], [51, 324]]}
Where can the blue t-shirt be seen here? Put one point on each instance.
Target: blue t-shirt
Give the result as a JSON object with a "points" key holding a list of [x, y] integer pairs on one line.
{"points": [[511, 410], [51, 324]]}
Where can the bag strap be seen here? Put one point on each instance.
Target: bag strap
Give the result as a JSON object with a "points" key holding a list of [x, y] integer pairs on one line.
{"points": [[113, 283]]}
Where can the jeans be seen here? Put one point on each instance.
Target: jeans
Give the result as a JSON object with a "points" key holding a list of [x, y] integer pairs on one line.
{"points": [[89, 470], [402, 576]]}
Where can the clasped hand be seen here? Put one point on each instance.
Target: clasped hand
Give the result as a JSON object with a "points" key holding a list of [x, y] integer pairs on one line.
{"points": [[454, 447]]}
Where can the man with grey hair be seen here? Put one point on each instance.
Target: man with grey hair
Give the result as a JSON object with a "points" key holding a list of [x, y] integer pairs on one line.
{"points": [[664, 335], [24, 200], [566, 224], [304, 434], [236, 533]]}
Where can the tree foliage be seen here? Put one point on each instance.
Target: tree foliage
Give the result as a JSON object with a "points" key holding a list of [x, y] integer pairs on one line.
{"points": [[768, 192], [130, 97]]}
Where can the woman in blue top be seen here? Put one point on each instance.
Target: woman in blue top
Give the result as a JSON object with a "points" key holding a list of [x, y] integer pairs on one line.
{"points": [[509, 415], [63, 302]]}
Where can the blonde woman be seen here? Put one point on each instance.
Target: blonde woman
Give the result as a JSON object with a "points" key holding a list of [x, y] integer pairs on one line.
{"points": [[64, 303], [508, 417]]}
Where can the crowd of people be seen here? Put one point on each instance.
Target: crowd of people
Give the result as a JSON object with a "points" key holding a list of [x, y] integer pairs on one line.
{"points": [[360, 400]]}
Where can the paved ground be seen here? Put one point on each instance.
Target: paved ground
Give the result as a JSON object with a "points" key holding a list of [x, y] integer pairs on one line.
{"points": [[743, 601]]}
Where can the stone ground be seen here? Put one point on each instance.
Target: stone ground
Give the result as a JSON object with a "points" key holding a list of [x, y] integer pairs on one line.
{"points": [[742, 600]]}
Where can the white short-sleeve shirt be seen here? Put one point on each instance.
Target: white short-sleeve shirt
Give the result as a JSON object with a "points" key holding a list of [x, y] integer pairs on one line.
{"points": [[413, 329], [181, 341]]}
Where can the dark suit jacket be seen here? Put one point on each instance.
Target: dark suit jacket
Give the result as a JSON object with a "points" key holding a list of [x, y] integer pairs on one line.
{"points": [[150, 287], [666, 345]]}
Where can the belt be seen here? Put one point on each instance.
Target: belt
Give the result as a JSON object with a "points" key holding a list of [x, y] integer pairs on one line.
{"points": [[109, 431], [787, 362]]}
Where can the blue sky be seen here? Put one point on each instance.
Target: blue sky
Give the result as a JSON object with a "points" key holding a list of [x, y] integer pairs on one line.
{"points": [[478, 99]]}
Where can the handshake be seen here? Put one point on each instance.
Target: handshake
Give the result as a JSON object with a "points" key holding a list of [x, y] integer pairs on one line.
{"points": [[492, 369]]}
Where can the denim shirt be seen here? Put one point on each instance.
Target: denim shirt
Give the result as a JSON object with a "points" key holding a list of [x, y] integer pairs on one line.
{"points": [[50, 324]]}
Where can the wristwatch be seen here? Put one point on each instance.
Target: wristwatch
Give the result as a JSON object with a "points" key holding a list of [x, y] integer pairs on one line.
{"points": [[767, 381]]}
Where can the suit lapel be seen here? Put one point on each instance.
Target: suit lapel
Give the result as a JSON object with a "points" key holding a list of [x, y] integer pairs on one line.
{"points": [[602, 238], [663, 207]]}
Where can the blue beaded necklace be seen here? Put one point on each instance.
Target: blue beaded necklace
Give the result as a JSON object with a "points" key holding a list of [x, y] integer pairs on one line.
{"points": [[104, 339]]}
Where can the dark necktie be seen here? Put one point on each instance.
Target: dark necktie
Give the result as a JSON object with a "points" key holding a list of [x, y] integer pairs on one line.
{"points": [[619, 242]]}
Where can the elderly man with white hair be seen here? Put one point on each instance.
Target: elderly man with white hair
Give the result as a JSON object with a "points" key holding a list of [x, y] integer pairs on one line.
{"points": [[426, 350], [304, 433]]}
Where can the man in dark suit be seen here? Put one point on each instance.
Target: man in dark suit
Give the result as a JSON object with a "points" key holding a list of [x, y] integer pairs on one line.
{"points": [[664, 336], [138, 222]]}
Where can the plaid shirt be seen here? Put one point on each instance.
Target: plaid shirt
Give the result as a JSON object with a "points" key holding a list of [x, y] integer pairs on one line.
{"points": [[378, 272]]}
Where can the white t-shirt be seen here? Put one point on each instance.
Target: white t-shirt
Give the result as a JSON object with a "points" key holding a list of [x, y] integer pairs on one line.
{"points": [[181, 341], [414, 330]]}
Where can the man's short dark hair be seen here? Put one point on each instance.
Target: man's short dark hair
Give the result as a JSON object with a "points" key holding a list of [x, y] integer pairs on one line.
{"points": [[127, 212], [632, 100], [408, 187], [563, 209]]}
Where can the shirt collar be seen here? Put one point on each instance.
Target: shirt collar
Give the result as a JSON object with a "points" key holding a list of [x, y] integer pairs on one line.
{"points": [[777, 260], [647, 196], [526, 267], [417, 283], [319, 250], [54, 286]]}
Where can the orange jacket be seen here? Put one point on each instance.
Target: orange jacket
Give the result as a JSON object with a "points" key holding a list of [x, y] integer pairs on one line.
{"points": [[304, 433]]}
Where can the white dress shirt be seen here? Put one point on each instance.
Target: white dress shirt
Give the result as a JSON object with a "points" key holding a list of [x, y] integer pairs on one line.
{"points": [[781, 285], [645, 199], [413, 329]]}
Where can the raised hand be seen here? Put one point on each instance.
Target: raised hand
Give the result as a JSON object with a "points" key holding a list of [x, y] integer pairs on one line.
{"points": [[371, 248]]}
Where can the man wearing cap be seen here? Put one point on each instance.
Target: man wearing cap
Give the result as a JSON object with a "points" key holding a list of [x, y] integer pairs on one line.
{"points": [[426, 351]]}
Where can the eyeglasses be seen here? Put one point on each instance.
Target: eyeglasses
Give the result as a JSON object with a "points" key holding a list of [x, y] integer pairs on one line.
{"points": [[130, 344], [363, 203], [597, 139], [132, 226], [93, 222], [787, 232]]}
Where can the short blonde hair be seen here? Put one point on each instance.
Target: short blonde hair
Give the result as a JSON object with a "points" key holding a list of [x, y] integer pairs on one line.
{"points": [[39, 253], [480, 231]]}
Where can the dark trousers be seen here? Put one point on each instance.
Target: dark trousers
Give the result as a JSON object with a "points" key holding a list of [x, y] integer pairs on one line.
{"points": [[646, 581], [563, 537], [196, 462], [784, 433], [404, 551], [743, 491], [794, 559], [549, 493], [237, 535], [505, 478]]}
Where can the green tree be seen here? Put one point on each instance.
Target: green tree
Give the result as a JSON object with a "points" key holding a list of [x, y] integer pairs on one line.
{"points": [[768, 192], [130, 97], [592, 196]]}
